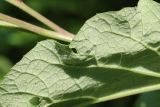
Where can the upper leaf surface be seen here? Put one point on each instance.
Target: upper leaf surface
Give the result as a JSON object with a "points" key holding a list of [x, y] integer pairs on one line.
{"points": [[117, 55]]}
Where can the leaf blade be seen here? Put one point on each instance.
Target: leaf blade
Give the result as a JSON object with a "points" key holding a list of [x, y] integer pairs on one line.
{"points": [[117, 55]]}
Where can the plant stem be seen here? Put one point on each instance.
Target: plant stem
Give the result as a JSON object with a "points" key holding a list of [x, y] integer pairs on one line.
{"points": [[6, 24], [20, 4], [34, 28]]}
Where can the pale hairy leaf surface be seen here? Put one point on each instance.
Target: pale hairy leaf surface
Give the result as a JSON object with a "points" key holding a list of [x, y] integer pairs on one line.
{"points": [[115, 54]]}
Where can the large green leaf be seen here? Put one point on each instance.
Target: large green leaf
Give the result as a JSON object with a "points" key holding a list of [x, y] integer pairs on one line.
{"points": [[115, 54]]}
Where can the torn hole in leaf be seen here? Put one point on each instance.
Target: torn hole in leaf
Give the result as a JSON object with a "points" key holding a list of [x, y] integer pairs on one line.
{"points": [[74, 50], [35, 101], [40, 101]]}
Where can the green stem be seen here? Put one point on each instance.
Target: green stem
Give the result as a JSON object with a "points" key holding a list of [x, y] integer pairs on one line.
{"points": [[20, 4], [34, 28]]}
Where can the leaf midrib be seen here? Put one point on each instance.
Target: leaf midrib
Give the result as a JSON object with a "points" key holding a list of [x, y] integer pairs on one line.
{"points": [[147, 73]]}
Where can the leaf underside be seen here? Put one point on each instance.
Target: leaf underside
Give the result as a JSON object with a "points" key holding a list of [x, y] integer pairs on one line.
{"points": [[115, 54]]}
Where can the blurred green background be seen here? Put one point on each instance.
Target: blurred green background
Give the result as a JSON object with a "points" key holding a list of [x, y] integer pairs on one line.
{"points": [[71, 15]]}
